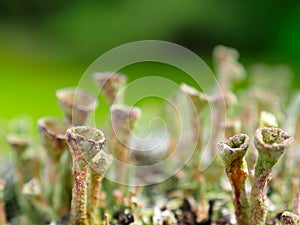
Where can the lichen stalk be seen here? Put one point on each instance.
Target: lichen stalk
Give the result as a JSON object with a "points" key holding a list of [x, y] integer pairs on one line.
{"points": [[270, 143], [228, 68], [80, 172], [98, 166], [86, 145], [79, 196], [52, 133], [123, 119], [199, 101], [233, 153], [94, 198], [19, 144], [221, 103], [32, 190]]}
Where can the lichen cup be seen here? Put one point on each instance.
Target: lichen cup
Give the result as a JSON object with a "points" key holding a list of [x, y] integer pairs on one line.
{"points": [[52, 133], [110, 84], [232, 152], [76, 104], [86, 147], [271, 143]]}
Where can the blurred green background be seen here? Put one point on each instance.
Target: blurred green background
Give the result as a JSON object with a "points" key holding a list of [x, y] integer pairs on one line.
{"points": [[47, 45]]}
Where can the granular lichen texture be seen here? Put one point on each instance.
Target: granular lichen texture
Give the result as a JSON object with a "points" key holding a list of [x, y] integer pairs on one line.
{"points": [[270, 143]]}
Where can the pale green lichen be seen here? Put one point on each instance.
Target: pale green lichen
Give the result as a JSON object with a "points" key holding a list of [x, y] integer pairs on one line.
{"points": [[270, 143], [99, 165], [32, 189]]}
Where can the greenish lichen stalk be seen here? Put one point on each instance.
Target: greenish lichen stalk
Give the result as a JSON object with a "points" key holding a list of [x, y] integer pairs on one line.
{"points": [[270, 143], [99, 164], [19, 144], [233, 153], [32, 189]]}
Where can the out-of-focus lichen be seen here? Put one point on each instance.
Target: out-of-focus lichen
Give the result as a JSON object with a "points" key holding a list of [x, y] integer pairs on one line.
{"points": [[110, 84], [76, 104]]}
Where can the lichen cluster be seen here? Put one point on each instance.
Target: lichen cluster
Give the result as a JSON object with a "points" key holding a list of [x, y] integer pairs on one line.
{"points": [[60, 179]]}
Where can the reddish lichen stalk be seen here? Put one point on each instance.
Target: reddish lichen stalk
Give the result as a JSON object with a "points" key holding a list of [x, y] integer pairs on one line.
{"points": [[270, 143], [233, 153], [86, 145], [80, 172], [79, 193]]}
